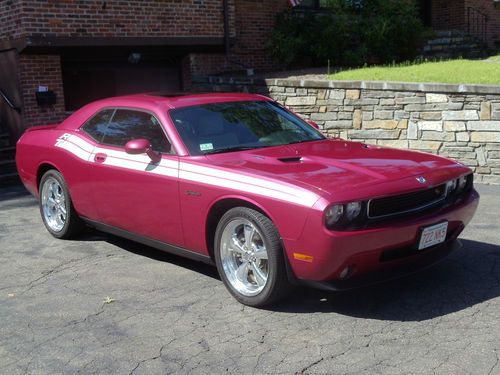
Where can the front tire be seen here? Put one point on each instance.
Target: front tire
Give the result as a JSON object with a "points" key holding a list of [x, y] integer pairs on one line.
{"points": [[250, 258], [56, 207]]}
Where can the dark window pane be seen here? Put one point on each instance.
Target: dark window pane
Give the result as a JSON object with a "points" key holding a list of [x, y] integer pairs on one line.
{"points": [[221, 126], [129, 124], [96, 126]]}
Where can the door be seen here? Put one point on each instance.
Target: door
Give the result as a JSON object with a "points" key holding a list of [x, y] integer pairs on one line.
{"points": [[131, 192]]}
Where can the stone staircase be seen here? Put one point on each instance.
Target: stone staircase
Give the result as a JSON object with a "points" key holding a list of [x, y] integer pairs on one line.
{"points": [[8, 171], [453, 44]]}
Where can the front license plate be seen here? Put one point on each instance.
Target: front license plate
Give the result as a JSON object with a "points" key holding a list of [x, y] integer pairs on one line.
{"points": [[433, 235]]}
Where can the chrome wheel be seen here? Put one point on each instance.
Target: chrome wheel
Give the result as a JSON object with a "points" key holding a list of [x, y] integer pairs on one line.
{"points": [[53, 203], [244, 257]]}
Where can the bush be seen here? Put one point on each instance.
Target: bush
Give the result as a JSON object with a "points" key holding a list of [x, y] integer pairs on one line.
{"points": [[347, 34]]}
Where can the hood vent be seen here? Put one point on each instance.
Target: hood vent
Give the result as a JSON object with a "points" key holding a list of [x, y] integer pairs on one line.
{"points": [[293, 159]]}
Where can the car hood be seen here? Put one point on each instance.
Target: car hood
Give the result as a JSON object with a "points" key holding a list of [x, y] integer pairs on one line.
{"points": [[343, 168]]}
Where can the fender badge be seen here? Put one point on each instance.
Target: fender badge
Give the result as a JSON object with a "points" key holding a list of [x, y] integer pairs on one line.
{"points": [[421, 180]]}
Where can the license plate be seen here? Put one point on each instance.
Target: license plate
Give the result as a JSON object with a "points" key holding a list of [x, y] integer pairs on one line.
{"points": [[433, 235]]}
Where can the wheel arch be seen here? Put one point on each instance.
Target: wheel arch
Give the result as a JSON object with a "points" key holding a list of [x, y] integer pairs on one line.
{"points": [[219, 208], [41, 170]]}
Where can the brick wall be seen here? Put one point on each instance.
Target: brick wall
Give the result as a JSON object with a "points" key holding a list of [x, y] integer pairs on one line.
{"points": [[448, 14], [452, 14], [10, 20], [457, 121], [493, 27], [254, 21], [98, 18], [42, 70]]}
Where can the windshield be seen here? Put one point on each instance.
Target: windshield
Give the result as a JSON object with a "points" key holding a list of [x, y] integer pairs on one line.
{"points": [[235, 126]]}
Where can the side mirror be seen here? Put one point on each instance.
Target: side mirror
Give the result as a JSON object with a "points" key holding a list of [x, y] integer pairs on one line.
{"points": [[142, 146], [313, 124]]}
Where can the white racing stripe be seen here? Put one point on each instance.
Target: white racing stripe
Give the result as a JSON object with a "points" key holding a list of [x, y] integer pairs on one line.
{"points": [[189, 172]]}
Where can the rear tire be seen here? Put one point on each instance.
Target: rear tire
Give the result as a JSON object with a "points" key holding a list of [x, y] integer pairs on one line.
{"points": [[56, 207], [249, 257]]}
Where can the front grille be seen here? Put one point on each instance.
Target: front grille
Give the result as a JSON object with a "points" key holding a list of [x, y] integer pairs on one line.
{"points": [[405, 203]]}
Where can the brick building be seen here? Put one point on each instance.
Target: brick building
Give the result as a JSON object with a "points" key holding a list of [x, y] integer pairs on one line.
{"points": [[480, 18], [82, 50]]}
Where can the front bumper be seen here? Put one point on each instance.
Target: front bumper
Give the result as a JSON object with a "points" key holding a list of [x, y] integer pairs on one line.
{"points": [[431, 257], [374, 254]]}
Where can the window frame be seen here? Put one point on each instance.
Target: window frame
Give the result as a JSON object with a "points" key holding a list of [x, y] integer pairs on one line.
{"points": [[173, 151]]}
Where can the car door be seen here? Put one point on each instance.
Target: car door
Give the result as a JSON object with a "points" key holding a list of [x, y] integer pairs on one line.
{"points": [[131, 192]]}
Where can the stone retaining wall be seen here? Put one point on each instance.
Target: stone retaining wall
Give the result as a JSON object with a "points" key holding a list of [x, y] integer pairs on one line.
{"points": [[457, 121]]}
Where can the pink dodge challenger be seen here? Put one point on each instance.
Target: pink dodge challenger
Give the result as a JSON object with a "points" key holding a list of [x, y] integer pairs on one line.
{"points": [[242, 182]]}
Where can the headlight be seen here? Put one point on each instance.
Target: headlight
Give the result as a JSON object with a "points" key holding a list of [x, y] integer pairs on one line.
{"points": [[451, 187], [462, 181], [348, 215], [333, 214], [353, 210]]}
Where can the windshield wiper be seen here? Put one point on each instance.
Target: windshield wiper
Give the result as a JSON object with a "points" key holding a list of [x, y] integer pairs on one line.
{"points": [[230, 149]]}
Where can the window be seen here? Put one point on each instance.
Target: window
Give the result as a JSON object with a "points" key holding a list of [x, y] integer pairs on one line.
{"points": [[130, 124], [233, 126], [118, 126], [96, 126]]}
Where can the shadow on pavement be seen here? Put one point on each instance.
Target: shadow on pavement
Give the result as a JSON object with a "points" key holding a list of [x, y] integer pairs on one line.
{"points": [[468, 277], [13, 192]]}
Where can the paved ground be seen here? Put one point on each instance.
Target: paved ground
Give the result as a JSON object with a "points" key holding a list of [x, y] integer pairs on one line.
{"points": [[105, 305]]}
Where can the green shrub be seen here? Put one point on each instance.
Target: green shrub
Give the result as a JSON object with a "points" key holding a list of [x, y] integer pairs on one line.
{"points": [[347, 34]]}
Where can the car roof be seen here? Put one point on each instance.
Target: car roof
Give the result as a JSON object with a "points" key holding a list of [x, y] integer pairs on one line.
{"points": [[184, 99]]}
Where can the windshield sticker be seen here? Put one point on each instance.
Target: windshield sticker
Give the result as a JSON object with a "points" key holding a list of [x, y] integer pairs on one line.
{"points": [[206, 146]]}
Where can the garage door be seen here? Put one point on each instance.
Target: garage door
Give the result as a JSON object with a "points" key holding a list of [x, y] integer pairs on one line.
{"points": [[86, 81]]}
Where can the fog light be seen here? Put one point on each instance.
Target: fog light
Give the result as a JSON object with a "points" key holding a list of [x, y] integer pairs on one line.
{"points": [[346, 272]]}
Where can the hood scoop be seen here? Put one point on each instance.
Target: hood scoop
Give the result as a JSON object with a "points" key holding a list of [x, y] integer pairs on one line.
{"points": [[293, 159]]}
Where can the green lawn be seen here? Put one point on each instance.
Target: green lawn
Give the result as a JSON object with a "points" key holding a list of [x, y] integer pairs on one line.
{"points": [[451, 71]]}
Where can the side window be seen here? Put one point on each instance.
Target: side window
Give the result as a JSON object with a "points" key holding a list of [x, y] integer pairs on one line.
{"points": [[129, 124], [96, 126]]}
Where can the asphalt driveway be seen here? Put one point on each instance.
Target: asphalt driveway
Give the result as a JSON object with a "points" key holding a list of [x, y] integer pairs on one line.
{"points": [[101, 304]]}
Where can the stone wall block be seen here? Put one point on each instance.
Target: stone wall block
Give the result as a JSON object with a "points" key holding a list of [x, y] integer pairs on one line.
{"points": [[483, 137], [357, 119], [380, 124], [340, 124], [374, 134], [431, 125], [337, 94], [436, 98], [301, 100], [484, 125], [460, 115], [352, 94], [412, 132], [454, 126], [383, 115]]}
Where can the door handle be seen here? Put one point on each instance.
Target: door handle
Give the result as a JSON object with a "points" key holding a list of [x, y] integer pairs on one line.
{"points": [[100, 157]]}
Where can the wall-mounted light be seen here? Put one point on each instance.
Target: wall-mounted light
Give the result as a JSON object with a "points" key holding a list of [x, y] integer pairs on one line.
{"points": [[134, 58]]}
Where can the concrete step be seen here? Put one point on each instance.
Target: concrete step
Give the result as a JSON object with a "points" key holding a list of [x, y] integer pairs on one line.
{"points": [[5, 140], [7, 153], [9, 179]]}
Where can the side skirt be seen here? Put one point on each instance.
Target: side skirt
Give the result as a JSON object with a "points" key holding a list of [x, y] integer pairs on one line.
{"points": [[172, 249]]}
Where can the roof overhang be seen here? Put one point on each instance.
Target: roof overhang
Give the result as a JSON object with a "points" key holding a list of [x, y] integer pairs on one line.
{"points": [[54, 44]]}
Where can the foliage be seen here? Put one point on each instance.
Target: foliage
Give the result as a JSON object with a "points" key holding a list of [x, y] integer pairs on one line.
{"points": [[451, 71], [379, 31]]}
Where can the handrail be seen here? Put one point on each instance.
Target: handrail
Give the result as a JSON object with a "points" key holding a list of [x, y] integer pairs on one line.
{"points": [[477, 23], [9, 103]]}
